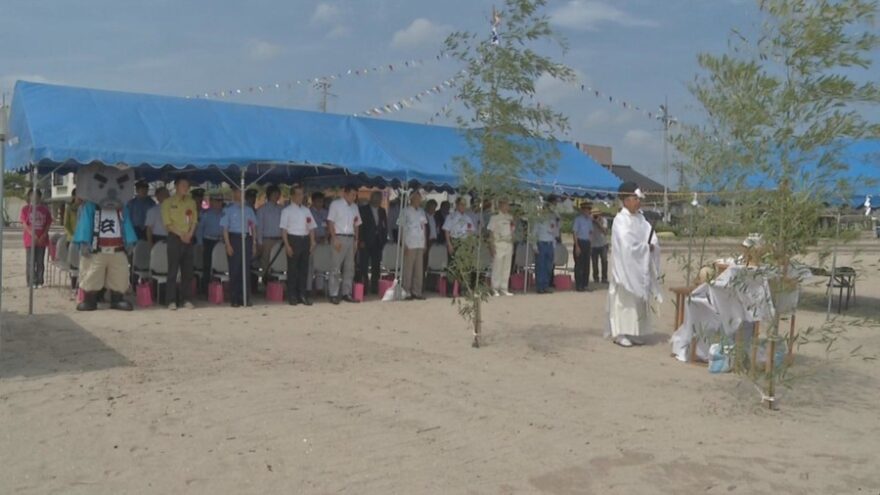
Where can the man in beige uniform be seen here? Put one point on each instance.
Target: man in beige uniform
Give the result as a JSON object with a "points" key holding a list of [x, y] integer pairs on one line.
{"points": [[501, 227]]}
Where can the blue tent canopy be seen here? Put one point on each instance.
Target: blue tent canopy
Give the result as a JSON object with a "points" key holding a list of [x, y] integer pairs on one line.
{"points": [[58, 128]]}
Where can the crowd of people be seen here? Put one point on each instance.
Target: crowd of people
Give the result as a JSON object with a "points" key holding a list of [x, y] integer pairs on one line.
{"points": [[357, 234]]}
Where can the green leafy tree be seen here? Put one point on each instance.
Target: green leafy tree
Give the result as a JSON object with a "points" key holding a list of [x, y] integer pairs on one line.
{"points": [[508, 133], [781, 108]]}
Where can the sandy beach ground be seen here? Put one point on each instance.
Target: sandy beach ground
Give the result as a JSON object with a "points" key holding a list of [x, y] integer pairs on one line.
{"points": [[382, 398]]}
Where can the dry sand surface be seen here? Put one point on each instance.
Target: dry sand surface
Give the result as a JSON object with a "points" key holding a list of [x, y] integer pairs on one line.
{"points": [[382, 398]]}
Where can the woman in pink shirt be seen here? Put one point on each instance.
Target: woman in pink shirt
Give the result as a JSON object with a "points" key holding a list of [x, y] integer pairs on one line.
{"points": [[36, 232]]}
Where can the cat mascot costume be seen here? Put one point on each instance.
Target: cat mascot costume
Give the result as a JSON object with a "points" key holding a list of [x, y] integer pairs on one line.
{"points": [[104, 234]]}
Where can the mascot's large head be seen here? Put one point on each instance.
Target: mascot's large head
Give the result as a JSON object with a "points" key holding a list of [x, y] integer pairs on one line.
{"points": [[109, 187]]}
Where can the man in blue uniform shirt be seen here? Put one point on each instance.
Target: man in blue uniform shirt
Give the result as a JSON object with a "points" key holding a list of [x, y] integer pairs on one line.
{"points": [[230, 222], [208, 234], [138, 207], [583, 229]]}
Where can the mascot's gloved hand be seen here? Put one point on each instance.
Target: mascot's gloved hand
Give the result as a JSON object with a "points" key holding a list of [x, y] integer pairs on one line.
{"points": [[85, 251]]}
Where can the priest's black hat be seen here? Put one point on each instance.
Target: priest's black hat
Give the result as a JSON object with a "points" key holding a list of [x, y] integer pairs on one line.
{"points": [[629, 188]]}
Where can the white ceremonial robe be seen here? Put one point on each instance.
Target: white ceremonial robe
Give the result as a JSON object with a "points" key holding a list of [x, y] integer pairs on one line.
{"points": [[634, 291]]}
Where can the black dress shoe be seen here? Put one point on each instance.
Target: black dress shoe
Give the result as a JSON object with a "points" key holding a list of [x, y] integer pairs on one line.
{"points": [[235, 305], [293, 302], [334, 300], [348, 299], [418, 298], [305, 301]]}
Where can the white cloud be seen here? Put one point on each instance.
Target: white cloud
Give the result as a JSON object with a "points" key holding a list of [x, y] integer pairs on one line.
{"points": [[644, 140], [262, 50], [597, 120], [326, 13], [624, 117], [550, 90], [331, 17], [420, 32], [339, 31], [589, 14]]}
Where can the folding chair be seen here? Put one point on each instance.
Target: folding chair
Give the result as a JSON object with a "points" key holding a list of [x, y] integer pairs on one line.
{"points": [[560, 258], [159, 266], [278, 268], [60, 263], [844, 279], [219, 263], [322, 261], [140, 260], [389, 258]]}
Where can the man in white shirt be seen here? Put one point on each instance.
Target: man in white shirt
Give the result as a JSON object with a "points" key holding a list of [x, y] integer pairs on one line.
{"points": [[413, 222], [268, 220], [155, 226], [458, 225], [635, 271], [298, 234], [343, 221], [501, 228]]}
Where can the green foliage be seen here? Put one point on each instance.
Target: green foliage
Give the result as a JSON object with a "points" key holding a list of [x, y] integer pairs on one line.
{"points": [[15, 185], [505, 129], [781, 108]]}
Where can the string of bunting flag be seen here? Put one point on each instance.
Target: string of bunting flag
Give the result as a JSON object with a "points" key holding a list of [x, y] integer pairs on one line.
{"points": [[443, 110], [408, 102], [354, 72], [624, 103]]}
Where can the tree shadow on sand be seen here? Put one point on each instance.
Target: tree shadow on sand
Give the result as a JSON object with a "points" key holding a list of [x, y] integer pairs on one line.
{"points": [[51, 344], [864, 307]]}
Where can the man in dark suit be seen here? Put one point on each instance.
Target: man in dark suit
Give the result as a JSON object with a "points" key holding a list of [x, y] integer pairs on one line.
{"points": [[373, 235], [440, 218]]}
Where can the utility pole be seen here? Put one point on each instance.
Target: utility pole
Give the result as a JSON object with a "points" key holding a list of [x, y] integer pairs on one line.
{"points": [[324, 87], [667, 120]]}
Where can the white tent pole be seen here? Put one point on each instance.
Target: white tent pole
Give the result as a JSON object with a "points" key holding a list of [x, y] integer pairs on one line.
{"points": [[398, 263], [33, 262], [528, 251], [244, 261], [833, 268], [2, 204]]}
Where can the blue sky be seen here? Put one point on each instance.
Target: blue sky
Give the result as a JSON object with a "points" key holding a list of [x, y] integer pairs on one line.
{"points": [[636, 50]]}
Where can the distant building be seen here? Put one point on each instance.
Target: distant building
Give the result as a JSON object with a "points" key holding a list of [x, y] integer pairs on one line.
{"points": [[604, 155], [629, 174]]}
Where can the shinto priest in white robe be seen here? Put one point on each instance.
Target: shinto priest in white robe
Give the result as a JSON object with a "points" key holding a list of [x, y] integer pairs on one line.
{"points": [[634, 291]]}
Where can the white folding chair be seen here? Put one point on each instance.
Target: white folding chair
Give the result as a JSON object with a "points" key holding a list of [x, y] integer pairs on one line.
{"points": [[140, 260], [389, 258], [485, 262], [219, 263], [60, 263], [278, 268], [523, 259], [560, 258], [159, 265], [438, 259], [52, 254], [322, 261]]}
